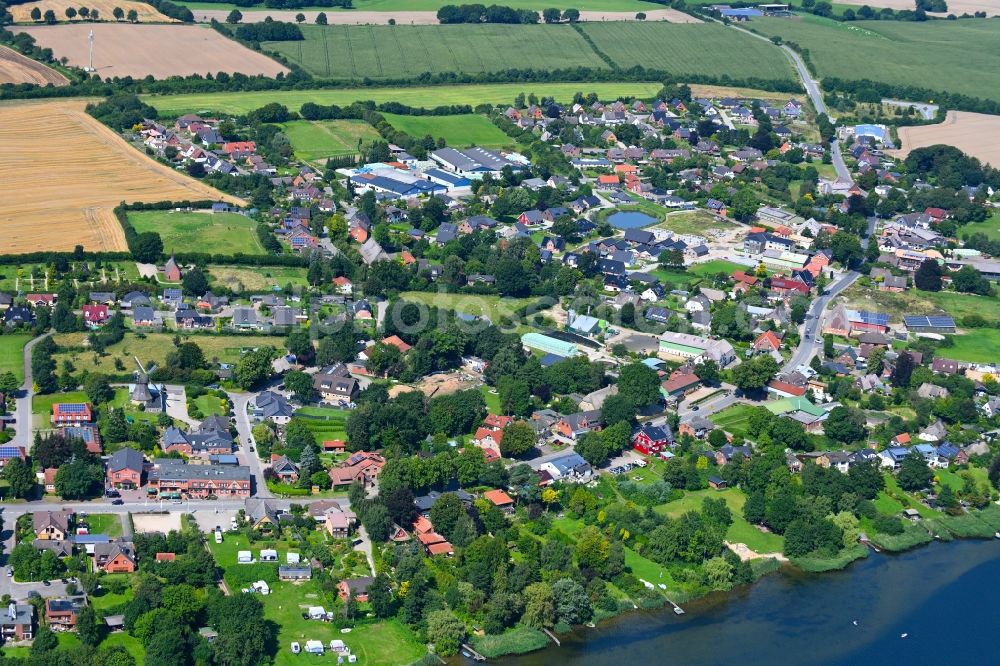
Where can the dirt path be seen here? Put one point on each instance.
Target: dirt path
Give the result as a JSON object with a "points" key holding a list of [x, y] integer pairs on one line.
{"points": [[416, 18], [16, 68]]}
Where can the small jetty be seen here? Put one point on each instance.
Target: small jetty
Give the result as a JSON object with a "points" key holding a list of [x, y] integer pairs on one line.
{"points": [[469, 651], [554, 638], [677, 609], [865, 541]]}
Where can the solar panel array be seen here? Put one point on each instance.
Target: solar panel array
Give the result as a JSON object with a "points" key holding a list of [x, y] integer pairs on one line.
{"points": [[874, 318], [932, 321], [72, 407], [7, 452]]}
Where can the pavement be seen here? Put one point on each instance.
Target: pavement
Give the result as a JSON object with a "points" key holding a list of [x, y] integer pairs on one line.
{"points": [[250, 458], [23, 409]]}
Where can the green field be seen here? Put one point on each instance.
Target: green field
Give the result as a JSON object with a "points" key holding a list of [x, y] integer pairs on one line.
{"points": [[734, 419], [320, 139], [990, 227], [938, 55], [740, 531], [693, 222], [690, 48], [434, 5], [494, 307], [216, 233], [919, 302], [422, 96], [714, 267], [11, 356], [406, 51], [981, 345], [105, 523], [459, 131], [243, 279], [153, 349]]}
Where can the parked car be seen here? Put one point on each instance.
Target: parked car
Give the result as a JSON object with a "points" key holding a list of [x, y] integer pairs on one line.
{"points": [[296, 648], [117, 502]]}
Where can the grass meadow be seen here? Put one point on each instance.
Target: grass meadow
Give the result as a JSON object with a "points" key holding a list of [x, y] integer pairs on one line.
{"points": [[957, 56], [420, 96], [404, 51], [468, 129], [11, 358], [217, 233], [318, 140]]}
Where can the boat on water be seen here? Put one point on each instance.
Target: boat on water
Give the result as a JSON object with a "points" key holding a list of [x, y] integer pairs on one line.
{"points": [[903, 635]]}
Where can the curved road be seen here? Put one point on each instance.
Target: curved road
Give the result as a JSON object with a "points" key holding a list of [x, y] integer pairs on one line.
{"points": [[23, 410]]}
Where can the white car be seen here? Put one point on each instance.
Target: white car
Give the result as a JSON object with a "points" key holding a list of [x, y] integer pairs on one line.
{"points": [[296, 648]]}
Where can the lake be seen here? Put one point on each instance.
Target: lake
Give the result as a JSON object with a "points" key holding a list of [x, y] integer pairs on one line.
{"points": [[628, 219], [942, 596]]}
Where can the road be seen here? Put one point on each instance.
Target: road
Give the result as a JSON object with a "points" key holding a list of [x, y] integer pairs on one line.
{"points": [[813, 327], [251, 458], [843, 173], [23, 410]]}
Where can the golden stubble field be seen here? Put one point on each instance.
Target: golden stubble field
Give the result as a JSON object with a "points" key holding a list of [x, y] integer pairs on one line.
{"points": [[62, 173], [976, 134], [159, 50], [16, 68], [106, 8]]}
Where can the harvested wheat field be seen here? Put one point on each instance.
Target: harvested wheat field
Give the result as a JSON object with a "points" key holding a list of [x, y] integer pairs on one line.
{"points": [[161, 50], [956, 7], [16, 68], [976, 134], [147, 14], [63, 173], [357, 17]]}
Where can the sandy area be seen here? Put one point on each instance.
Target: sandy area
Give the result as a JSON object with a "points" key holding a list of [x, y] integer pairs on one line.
{"points": [[63, 173], [416, 18], [159, 522], [744, 553], [16, 68], [22, 13], [439, 384], [977, 134], [160, 50], [956, 7]]}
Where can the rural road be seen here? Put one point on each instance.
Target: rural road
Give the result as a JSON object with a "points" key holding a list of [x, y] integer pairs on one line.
{"points": [[813, 326], [23, 410]]}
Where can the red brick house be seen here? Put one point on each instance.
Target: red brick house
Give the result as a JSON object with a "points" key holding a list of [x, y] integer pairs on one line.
{"points": [[363, 466], [356, 586], [95, 315], [767, 342], [125, 468], [171, 271], [114, 557], [60, 614]]}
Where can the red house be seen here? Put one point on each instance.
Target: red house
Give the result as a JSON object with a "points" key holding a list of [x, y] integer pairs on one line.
{"points": [[788, 287], [171, 271], [71, 413], [767, 342], [95, 315], [652, 439]]}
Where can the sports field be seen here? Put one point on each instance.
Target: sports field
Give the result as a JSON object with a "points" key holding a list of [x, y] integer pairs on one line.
{"points": [[216, 233], [702, 48], [320, 139], [402, 51], [464, 130], [423, 96], [956, 56], [62, 173]]}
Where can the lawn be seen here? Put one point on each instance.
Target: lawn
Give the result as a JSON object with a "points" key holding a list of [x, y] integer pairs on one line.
{"points": [[130, 643], [320, 139], [105, 523], [9, 275], [696, 222], [714, 267], [216, 233], [740, 531], [153, 348], [243, 279], [990, 227], [494, 307], [492, 399], [734, 419], [11, 356], [209, 404], [919, 302], [935, 54], [976, 344], [324, 423], [354, 52], [420, 96], [42, 404], [704, 49], [469, 129]]}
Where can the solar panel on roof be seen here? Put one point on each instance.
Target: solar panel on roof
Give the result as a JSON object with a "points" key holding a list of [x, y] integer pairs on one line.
{"points": [[72, 407], [10, 452]]}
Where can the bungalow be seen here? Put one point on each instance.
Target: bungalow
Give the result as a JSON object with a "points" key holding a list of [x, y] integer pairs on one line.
{"points": [[283, 467], [500, 499], [143, 316], [344, 285]]}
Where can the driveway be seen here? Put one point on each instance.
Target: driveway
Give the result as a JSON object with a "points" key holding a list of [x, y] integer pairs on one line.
{"points": [[177, 404]]}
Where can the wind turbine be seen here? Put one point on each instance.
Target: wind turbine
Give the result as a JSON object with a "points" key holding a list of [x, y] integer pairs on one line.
{"points": [[90, 38]]}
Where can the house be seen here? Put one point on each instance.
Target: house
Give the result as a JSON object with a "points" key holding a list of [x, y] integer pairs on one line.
{"points": [[356, 587], [52, 525], [95, 316], [335, 384], [678, 384], [570, 467], [286, 470], [143, 316], [272, 406], [695, 426], [171, 271], [292, 572], [716, 483], [944, 366], [344, 285], [650, 439], [573, 426], [767, 341], [18, 622], [338, 522], [60, 613], [170, 475], [363, 466], [263, 516], [125, 468], [501, 500], [210, 439], [115, 557], [932, 391], [71, 413], [728, 453]]}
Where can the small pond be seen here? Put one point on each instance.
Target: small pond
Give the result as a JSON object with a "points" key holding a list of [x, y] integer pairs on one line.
{"points": [[630, 220]]}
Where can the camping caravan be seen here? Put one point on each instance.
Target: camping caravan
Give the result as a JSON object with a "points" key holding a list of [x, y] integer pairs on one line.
{"points": [[314, 647], [337, 645], [268, 555], [244, 557], [317, 613]]}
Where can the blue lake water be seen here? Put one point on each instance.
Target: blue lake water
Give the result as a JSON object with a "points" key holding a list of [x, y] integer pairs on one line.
{"points": [[943, 596], [630, 220]]}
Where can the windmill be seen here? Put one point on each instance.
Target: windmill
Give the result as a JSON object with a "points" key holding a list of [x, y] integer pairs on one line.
{"points": [[90, 38], [141, 395]]}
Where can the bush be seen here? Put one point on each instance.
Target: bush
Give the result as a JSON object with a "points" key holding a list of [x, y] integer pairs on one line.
{"points": [[518, 640], [888, 524]]}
